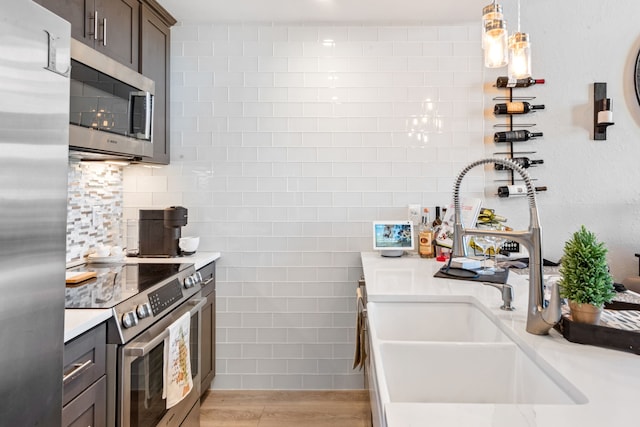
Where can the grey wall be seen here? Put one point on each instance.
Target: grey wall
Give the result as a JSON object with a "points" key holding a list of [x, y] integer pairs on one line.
{"points": [[287, 141]]}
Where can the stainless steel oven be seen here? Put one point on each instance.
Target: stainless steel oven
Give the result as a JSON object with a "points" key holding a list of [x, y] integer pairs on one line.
{"points": [[145, 299], [141, 375]]}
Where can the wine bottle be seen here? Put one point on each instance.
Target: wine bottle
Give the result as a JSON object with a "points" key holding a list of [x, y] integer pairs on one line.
{"points": [[437, 221], [507, 82], [515, 135], [516, 190], [521, 107], [525, 162]]}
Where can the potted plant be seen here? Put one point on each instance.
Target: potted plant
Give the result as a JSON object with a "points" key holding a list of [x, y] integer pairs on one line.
{"points": [[585, 280]]}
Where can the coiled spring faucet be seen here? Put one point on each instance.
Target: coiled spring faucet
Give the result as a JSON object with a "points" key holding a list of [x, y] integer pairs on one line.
{"points": [[541, 315]]}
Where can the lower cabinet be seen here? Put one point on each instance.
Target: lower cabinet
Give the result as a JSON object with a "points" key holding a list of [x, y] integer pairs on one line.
{"points": [[208, 338], [368, 383], [89, 408], [84, 380]]}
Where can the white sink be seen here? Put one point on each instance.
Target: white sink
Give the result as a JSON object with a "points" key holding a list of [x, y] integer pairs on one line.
{"points": [[497, 373], [432, 321], [457, 352]]}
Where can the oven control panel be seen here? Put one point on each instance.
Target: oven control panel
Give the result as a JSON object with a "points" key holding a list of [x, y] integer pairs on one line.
{"points": [[153, 302], [165, 297]]}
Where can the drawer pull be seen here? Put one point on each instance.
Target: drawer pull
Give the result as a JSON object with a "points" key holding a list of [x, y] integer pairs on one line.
{"points": [[78, 368]]}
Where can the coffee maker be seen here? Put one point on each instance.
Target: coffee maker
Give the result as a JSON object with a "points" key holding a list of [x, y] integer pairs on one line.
{"points": [[160, 231]]}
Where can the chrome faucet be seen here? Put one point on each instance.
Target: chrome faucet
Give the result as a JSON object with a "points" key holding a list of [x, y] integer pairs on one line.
{"points": [[541, 315]]}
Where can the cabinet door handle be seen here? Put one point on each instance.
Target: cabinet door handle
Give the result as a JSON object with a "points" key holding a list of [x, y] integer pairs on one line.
{"points": [[104, 32], [95, 25], [94, 18], [78, 368]]}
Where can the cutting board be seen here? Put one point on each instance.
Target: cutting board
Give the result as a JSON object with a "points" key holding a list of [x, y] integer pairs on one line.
{"points": [[79, 276]]}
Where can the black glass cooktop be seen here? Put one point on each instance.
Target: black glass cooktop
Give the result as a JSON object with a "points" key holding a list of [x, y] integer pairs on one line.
{"points": [[116, 283]]}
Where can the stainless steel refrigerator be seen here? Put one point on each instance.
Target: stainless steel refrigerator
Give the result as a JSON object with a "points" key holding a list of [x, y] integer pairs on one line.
{"points": [[34, 123]]}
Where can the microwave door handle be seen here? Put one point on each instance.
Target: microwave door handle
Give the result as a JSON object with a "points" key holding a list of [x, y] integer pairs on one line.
{"points": [[148, 111], [145, 348], [148, 99], [130, 112]]}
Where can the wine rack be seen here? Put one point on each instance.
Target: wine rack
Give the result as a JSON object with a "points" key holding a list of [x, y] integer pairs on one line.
{"points": [[511, 125]]}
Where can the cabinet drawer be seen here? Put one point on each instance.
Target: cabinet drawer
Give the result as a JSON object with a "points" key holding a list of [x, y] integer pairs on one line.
{"points": [[89, 408], [84, 361]]}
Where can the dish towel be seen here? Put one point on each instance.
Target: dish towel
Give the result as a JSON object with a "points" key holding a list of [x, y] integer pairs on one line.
{"points": [[177, 362], [360, 355]]}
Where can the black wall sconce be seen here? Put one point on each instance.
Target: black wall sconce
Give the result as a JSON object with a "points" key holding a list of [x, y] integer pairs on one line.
{"points": [[602, 115]]}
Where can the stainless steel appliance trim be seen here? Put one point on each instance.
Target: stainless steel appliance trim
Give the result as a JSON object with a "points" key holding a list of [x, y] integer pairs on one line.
{"points": [[148, 101], [94, 59], [124, 374], [140, 351], [33, 159], [107, 144]]}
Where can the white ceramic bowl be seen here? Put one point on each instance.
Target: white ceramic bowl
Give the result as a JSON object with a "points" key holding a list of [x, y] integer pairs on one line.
{"points": [[189, 244]]}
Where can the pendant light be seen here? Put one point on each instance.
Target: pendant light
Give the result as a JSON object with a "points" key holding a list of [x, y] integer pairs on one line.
{"points": [[519, 54], [494, 37]]}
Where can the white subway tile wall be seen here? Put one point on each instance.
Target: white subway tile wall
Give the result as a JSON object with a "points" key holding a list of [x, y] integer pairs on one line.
{"points": [[286, 142]]}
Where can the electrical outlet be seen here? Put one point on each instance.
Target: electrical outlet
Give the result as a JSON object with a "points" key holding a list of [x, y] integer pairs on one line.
{"points": [[413, 213]]}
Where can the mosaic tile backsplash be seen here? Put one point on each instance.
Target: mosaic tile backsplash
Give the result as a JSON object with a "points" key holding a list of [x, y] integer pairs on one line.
{"points": [[94, 207]]}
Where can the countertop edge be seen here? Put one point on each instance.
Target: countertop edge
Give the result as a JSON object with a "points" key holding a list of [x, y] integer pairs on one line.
{"points": [[411, 279], [79, 321]]}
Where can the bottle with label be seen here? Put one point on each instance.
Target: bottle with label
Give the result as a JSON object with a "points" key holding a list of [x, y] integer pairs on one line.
{"points": [[516, 190], [425, 236], [515, 136], [520, 107], [525, 162], [507, 82], [437, 221]]}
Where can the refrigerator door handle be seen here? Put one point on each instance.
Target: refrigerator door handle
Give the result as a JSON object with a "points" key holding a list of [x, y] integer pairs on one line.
{"points": [[52, 62]]}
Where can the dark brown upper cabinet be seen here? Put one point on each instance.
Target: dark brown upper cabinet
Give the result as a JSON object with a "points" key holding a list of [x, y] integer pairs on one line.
{"points": [[112, 27]]}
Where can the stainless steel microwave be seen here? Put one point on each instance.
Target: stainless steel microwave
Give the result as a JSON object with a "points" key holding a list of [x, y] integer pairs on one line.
{"points": [[111, 107]]}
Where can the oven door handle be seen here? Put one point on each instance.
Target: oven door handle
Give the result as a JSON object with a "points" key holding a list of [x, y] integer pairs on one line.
{"points": [[145, 348]]}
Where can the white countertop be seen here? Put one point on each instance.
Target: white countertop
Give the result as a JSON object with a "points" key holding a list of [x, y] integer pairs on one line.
{"points": [[78, 321], [609, 379]]}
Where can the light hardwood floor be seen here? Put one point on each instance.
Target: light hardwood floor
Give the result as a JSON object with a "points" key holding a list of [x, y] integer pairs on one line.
{"points": [[285, 409]]}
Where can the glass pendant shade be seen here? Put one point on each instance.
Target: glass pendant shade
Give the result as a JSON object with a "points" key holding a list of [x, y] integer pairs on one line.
{"points": [[519, 56], [495, 43], [489, 13]]}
